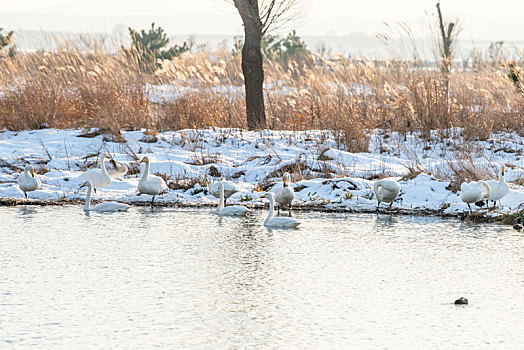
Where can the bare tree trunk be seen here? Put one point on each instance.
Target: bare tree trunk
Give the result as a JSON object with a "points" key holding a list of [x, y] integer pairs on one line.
{"points": [[447, 42], [252, 64]]}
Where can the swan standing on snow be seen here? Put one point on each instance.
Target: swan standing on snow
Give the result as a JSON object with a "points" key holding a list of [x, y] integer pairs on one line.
{"points": [[116, 169], [386, 191], [234, 210], [473, 192], [285, 195], [151, 184], [498, 189], [98, 177], [28, 181], [102, 207], [278, 222], [229, 189]]}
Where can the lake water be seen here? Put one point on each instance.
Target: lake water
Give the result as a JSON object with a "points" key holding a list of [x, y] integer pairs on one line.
{"points": [[183, 278]]}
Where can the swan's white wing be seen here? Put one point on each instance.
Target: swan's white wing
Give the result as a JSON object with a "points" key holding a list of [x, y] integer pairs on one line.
{"points": [[497, 189], [97, 178], [229, 189], [284, 195], [154, 185], [283, 222], [110, 207], [158, 182], [28, 183], [235, 210]]}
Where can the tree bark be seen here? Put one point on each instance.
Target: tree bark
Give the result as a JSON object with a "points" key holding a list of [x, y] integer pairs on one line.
{"points": [[252, 63]]}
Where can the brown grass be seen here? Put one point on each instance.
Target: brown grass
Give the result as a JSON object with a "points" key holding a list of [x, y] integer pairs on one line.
{"points": [[90, 87]]}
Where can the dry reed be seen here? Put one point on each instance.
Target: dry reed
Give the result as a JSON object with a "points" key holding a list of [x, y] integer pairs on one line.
{"points": [[83, 85]]}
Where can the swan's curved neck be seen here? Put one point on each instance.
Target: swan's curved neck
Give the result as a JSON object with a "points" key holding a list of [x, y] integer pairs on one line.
{"points": [[87, 205], [271, 210], [377, 187], [221, 200], [502, 178], [27, 173], [145, 174], [103, 164]]}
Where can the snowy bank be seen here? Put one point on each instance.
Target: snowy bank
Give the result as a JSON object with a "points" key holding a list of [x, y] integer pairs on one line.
{"points": [[325, 175]]}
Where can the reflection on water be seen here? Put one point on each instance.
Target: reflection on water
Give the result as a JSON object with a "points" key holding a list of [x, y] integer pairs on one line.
{"points": [[186, 278]]}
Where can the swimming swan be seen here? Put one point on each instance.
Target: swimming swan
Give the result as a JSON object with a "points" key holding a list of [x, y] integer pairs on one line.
{"points": [[234, 210], [278, 222], [229, 189], [105, 207], [285, 195], [473, 192], [498, 189], [386, 191], [116, 169], [151, 184], [28, 181], [98, 177]]}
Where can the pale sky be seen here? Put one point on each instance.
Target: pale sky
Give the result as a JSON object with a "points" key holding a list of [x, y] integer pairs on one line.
{"points": [[482, 20]]}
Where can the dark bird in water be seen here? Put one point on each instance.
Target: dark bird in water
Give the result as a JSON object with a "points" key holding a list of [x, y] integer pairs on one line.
{"points": [[461, 301]]}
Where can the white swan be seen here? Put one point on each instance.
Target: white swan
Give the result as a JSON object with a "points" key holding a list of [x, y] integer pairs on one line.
{"points": [[151, 184], [498, 189], [285, 195], [116, 169], [278, 222], [233, 210], [386, 191], [28, 181], [473, 192], [98, 177], [229, 189], [102, 207]]}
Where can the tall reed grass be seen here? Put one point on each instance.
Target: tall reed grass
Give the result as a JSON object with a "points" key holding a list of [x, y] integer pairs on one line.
{"points": [[87, 86]]}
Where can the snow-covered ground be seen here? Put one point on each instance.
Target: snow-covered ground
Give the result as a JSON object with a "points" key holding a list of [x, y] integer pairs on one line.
{"points": [[324, 174]]}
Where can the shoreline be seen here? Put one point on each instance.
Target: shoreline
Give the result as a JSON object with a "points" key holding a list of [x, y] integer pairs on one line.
{"points": [[325, 176], [474, 217]]}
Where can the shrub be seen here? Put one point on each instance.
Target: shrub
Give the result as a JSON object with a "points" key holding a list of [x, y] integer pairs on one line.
{"points": [[7, 48], [147, 48]]}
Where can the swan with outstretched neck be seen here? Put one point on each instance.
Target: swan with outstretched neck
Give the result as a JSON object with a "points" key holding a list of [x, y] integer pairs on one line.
{"points": [[498, 189], [102, 207], [232, 210], [28, 181], [278, 222], [151, 184], [98, 177]]}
